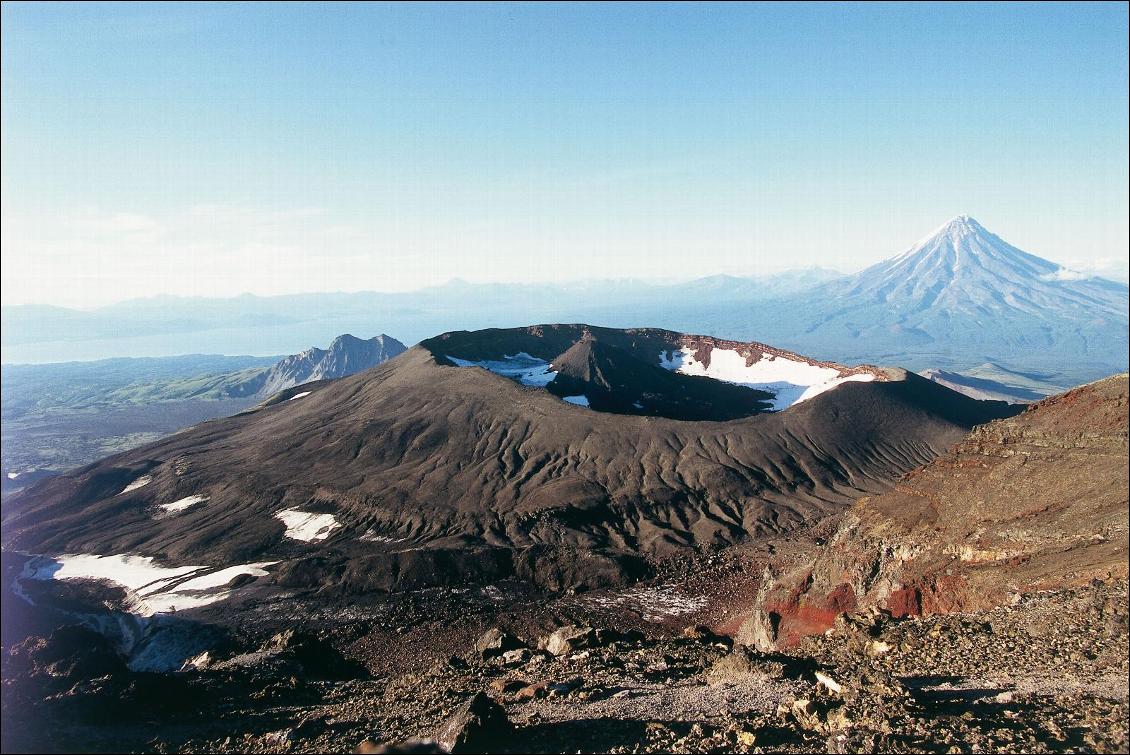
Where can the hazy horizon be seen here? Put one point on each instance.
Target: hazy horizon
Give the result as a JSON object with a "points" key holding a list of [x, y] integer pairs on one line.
{"points": [[275, 149]]}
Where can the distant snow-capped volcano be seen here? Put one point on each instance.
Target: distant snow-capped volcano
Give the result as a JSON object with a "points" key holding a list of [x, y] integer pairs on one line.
{"points": [[962, 265], [964, 292]]}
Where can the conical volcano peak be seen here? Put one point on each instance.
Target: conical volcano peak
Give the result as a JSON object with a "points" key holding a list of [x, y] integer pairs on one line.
{"points": [[962, 247], [965, 223], [603, 365], [964, 269], [954, 231]]}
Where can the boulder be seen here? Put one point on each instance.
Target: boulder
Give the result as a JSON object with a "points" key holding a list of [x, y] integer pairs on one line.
{"points": [[317, 657], [532, 691], [705, 634], [506, 685], [494, 643], [516, 657], [569, 639], [743, 663], [478, 725]]}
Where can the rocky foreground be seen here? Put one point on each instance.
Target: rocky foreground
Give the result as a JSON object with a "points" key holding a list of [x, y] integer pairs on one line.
{"points": [[1047, 674]]}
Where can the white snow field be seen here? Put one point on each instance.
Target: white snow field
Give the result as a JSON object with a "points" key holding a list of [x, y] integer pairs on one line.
{"points": [[152, 589], [302, 525], [788, 380], [526, 369], [140, 482], [299, 395], [581, 400], [182, 503]]}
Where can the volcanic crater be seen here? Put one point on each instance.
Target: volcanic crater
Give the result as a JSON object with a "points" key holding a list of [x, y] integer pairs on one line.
{"points": [[420, 472]]}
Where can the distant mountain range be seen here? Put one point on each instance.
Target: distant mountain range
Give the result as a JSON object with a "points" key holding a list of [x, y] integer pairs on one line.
{"points": [[345, 356], [958, 299], [57, 416], [993, 383], [117, 382], [169, 325]]}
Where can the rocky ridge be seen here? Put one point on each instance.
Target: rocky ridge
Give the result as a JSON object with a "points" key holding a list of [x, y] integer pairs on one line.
{"points": [[345, 356], [1033, 502]]}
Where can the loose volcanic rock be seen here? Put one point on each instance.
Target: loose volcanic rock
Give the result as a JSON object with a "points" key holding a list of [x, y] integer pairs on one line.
{"points": [[69, 653]]}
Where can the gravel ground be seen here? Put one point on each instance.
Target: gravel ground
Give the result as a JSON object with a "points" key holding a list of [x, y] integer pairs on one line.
{"points": [[1048, 674]]}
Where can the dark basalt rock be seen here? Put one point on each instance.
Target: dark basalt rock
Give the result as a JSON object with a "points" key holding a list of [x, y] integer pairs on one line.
{"points": [[494, 642], [317, 657], [478, 725]]}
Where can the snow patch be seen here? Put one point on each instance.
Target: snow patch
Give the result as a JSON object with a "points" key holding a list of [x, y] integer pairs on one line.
{"points": [[151, 588], [581, 400], [376, 537], [302, 525], [182, 503], [13, 475], [171, 602], [140, 482], [789, 381], [137, 573], [526, 369], [299, 395]]}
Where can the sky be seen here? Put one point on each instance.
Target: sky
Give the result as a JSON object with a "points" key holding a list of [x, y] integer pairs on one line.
{"points": [[217, 149]]}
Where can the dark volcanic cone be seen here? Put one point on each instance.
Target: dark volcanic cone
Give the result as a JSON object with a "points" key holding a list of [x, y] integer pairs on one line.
{"points": [[437, 474]]}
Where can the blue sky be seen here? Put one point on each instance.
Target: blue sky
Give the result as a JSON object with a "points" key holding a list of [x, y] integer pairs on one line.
{"points": [[215, 149]]}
